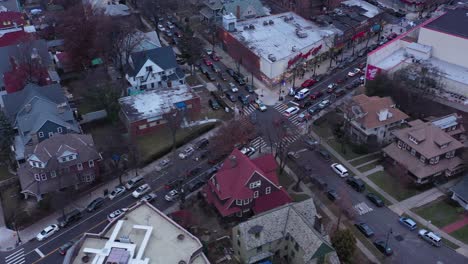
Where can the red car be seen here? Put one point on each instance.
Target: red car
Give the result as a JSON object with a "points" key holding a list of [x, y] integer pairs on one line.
{"points": [[392, 36], [207, 62], [215, 57], [308, 83], [315, 95]]}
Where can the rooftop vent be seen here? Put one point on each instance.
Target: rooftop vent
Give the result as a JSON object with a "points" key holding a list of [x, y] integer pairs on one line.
{"points": [[180, 237], [125, 239], [294, 49], [271, 57], [265, 23], [246, 27], [301, 34], [182, 262], [251, 26], [271, 22]]}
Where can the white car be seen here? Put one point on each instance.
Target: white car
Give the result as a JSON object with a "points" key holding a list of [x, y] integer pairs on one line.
{"points": [[339, 169], [186, 152], [324, 104], [260, 105], [248, 151], [47, 232], [149, 197], [354, 72], [161, 28], [291, 111], [163, 164], [118, 191], [172, 195], [332, 85], [233, 88], [141, 190], [116, 214]]}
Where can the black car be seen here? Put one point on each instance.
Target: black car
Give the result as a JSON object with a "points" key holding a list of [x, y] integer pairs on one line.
{"points": [[64, 248], [95, 204], [356, 183], [194, 171], [243, 99], [231, 72], [210, 76], [339, 92], [239, 79], [195, 185], [305, 104], [202, 143], [325, 155], [69, 218], [332, 195], [365, 229], [382, 247], [249, 88], [231, 97], [313, 110], [204, 69], [214, 104], [375, 199], [223, 76]]}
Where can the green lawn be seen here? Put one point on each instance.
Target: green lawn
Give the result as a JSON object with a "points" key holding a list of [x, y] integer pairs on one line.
{"points": [[440, 212], [461, 234], [4, 173], [344, 150], [322, 130], [365, 159], [159, 143], [299, 197], [368, 166], [392, 186]]}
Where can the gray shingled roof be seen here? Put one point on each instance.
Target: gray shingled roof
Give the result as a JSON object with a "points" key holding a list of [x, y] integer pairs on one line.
{"points": [[231, 7], [14, 51], [164, 57]]}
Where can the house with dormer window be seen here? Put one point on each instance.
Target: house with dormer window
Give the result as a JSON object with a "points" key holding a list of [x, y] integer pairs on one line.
{"points": [[426, 151], [63, 161], [38, 113], [243, 187], [153, 69], [372, 116]]}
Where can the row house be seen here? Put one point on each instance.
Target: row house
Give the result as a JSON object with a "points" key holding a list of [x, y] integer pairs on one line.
{"points": [[243, 187], [426, 152]]}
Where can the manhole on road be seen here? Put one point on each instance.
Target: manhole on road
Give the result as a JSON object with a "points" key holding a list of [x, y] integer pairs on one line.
{"points": [[399, 238]]}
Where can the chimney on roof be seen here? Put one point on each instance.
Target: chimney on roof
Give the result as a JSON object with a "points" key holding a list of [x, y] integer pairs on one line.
{"points": [[233, 161], [238, 11], [34, 138], [383, 114], [318, 223]]}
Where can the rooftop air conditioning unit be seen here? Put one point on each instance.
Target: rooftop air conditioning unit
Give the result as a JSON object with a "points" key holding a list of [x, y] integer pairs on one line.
{"points": [[272, 57], [271, 22], [246, 27], [265, 23], [251, 26], [294, 49], [301, 34]]}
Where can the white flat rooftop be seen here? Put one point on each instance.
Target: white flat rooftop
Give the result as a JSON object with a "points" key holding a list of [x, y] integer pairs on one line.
{"points": [[165, 242], [279, 38], [393, 60], [371, 10]]}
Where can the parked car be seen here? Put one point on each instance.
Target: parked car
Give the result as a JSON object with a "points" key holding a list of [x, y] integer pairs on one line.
{"points": [[339, 93], [260, 105], [149, 197], [112, 216], [332, 195], [356, 183], [210, 76], [313, 109], [133, 182], [243, 99], [305, 104], [95, 204], [231, 97], [47, 232], [365, 229], [431, 237], [141, 190], [311, 142], [375, 199], [231, 72], [331, 87], [164, 163], [186, 152], [215, 68], [214, 104], [354, 72], [249, 88], [233, 88], [215, 57], [291, 111], [202, 143], [172, 195], [239, 79], [173, 184], [308, 83], [118, 191], [195, 185], [64, 248], [69, 218], [408, 223], [324, 104], [303, 117], [193, 172], [316, 95], [339, 169], [204, 69], [324, 154], [383, 247], [223, 76], [207, 62], [248, 151]]}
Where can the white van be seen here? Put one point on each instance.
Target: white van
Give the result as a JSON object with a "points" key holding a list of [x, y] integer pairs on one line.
{"points": [[291, 111], [132, 182], [430, 237], [302, 94], [340, 170]]}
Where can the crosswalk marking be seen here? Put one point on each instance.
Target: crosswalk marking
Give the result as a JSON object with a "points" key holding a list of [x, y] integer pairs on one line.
{"points": [[362, 208], [39, 252], [280, 107], [16, 257], [258, 143], [248, 109]]}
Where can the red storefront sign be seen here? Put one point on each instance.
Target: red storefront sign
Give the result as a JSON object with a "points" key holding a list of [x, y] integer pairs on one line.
{"points": [[359, 35], [294, 60], [312, 51], [372, 71]]}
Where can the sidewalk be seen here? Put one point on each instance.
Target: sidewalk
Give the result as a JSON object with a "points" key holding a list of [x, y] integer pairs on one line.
{"points": [[396, 207]]}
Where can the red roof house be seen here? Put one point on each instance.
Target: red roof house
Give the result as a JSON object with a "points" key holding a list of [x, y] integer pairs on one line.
{"points": [[14, 37], [245, 186], [11, 19]]}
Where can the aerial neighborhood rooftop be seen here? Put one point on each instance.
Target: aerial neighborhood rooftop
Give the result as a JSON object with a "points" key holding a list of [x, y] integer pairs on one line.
{"points": [[233, 131]]}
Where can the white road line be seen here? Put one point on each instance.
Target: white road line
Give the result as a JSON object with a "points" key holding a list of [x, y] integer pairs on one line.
{"points": [[16, 259], [39, 252], [21, 261], [15, 253]]}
